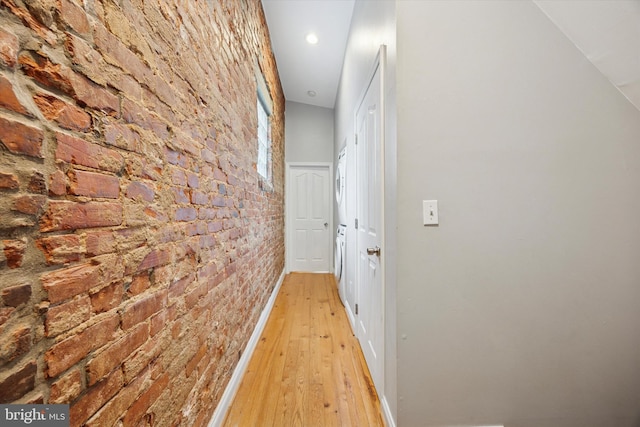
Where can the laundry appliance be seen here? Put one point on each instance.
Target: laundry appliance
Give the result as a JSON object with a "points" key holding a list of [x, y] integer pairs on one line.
{"points": [[341, 186], [340, 260]]}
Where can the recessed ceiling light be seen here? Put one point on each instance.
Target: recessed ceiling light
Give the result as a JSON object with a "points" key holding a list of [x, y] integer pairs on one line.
{"points": [[312, 38], [311, 93]]}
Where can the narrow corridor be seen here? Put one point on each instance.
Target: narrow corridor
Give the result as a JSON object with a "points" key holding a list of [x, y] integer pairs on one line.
{"points": [[308, 368]]}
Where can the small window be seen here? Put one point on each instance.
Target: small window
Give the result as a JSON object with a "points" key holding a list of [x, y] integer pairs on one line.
{"points": [[264, 143], [264, 107]]}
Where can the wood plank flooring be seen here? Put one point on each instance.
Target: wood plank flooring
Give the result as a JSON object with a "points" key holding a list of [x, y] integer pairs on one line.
{"points": [[308, 369]]}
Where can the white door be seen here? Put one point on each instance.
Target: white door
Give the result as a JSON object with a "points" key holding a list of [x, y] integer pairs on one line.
{"points": [[310, 204], [370, 327]]}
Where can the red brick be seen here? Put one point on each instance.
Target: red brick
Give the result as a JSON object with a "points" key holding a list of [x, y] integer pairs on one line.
{"points": [[45, 72], [5, 315], [100, 242], [207, 213], [176, 290], [91, 184], [80, 152], [57, 183], [140, 190], [61, 318], [69, 282], [219, 175], [61, 249], [66, 115], [143, 309], [21, 139], [67, 353], [14, 296], [29, 204], [151, 169], [154, 258], [9, 47], [192, 180], [176, 158], [198, 292], [14, 252], [181, 195], [116, 53], [28, 18], [113, 356], [122, 136], [159, 321], [63, 215], [185, 214], [219, 202], [8, 97], [145, 355], [74, 17], [37, 183], [214, 226], [145, 400], [208, 156], [67, 388], [139, 284], [18, 383], [107, 298], [95, 398], [8, 181], [178, 177], [135, 114], [109, 414], [199, 198], [196, 228], [207, 241], [17, 344], [193, 363], [86, 60], [89, 94]]}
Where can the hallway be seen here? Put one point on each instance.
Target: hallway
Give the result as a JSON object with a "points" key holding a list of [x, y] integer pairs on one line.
{"points": [[308, 368]]}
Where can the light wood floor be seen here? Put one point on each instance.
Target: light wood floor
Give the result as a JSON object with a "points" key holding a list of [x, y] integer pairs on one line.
{"points": [[308, 368]]}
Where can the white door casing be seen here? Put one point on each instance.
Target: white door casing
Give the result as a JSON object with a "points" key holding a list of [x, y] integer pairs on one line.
{"points": [[369, 170], [309, 217]]}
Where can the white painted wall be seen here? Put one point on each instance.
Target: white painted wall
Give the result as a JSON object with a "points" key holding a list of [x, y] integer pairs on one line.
{"points": [[308, 133], [522, 307]]}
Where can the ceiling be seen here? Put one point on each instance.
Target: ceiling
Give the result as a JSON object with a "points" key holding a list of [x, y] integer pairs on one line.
{"points": [[606, 31], [304, 67], [608, 34]]}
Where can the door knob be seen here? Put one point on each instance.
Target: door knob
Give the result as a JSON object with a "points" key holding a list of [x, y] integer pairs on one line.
{"points": [[326, 224], [373, 251]]}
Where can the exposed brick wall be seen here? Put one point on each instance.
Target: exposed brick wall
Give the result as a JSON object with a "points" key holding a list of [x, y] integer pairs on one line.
{"points": [[137, 248]]}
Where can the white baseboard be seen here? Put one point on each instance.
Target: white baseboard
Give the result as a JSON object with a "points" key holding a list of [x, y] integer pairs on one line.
{"points": [[234, 383], [386, 411]]}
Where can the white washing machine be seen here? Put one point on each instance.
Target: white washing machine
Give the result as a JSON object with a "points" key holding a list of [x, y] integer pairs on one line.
{"points": [[341, 186], [340, 261]]}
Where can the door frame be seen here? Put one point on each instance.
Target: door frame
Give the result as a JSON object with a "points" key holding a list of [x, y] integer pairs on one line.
{"points": [[378, 65], [288, 203]]}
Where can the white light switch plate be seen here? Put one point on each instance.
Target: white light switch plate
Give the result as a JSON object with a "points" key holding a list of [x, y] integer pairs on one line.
{"points": [[430, 212]]}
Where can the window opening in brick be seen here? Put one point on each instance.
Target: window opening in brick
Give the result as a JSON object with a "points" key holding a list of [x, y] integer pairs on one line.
{"points": [[264, 107]]}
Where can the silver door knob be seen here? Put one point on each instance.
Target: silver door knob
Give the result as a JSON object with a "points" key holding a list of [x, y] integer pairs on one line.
{"points": [[373, 251], [326, 224]]}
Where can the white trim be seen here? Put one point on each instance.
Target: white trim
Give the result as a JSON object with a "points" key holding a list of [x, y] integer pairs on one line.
{"points": [[386, 411], [230, 391], [287, 214]]}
